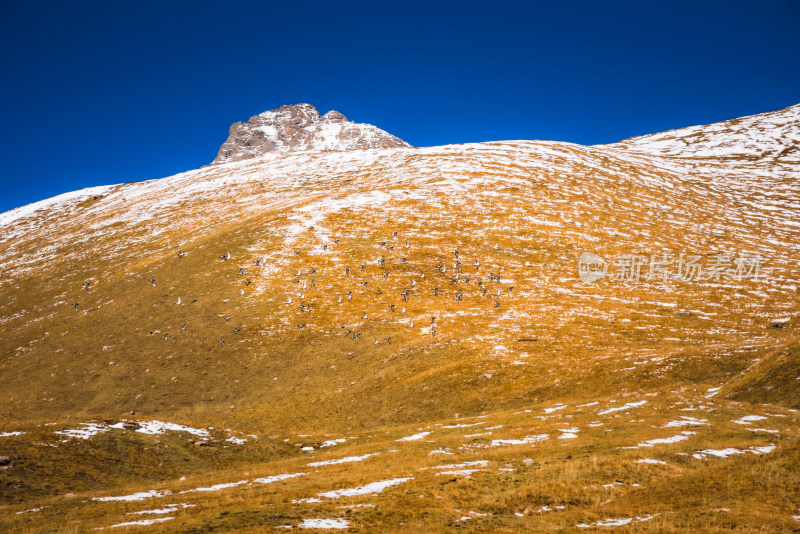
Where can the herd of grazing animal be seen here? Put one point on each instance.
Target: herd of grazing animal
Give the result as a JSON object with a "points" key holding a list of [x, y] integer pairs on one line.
{"points": [[456, 278], [460, 280]]}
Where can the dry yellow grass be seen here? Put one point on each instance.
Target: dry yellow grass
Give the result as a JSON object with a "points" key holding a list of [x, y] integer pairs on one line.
{"points": [[524, 211]]}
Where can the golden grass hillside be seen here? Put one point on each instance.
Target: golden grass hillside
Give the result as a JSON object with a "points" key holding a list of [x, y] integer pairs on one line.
{"points": [[398, 310]]}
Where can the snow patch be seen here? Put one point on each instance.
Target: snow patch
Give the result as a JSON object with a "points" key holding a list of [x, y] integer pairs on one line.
{"points": [[523, 441], [88, 430], [686, 421], [325, 523], [366, 489], [415, 437], [142, 495], [217, 487], [168, 509], [625, 407], [276, 478], [160, 427], [747, 419], [344, 460], [650, 461], [142, 522], [730, 451]]}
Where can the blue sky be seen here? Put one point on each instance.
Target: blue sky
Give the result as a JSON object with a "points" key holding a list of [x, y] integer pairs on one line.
{"points": [[99, 92]]}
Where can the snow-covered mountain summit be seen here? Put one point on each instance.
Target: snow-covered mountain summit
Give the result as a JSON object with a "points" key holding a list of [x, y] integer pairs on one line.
{"points": [[300, 127]]}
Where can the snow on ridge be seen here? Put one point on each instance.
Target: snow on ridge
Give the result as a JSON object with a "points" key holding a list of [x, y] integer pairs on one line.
{"points": [[172, 189], [775, 131], [57, 204], [23, 211], [299, 185], [766, 134]]}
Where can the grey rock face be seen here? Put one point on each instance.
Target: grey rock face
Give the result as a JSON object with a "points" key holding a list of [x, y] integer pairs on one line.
{"points": [[300, 127], [334, 116]]}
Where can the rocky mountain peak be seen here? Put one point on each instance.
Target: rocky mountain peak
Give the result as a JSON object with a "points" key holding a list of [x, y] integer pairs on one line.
{"points": [[334, 116], [300, 127]]}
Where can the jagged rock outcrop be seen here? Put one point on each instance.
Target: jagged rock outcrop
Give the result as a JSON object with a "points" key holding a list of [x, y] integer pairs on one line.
{"points": [[300, 127]]}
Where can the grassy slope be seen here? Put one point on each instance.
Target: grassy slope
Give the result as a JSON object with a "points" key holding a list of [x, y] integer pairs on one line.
{"points": [[773, 380], [270, 377], [592, 477], [111, 355]]}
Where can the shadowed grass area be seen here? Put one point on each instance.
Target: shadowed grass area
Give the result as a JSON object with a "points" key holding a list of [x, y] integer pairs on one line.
{"points": [[773, 380], [474, 473], [47, 464]]}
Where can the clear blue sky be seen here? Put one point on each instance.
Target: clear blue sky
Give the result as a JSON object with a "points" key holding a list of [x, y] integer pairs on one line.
{"points": [[100, 92]]}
